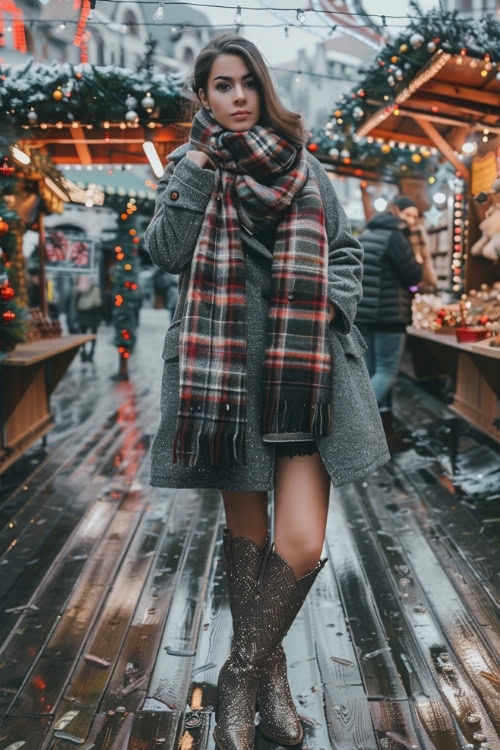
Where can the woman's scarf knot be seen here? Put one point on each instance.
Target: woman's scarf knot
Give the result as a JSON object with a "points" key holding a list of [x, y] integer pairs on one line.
{"points": [[212, 414]]}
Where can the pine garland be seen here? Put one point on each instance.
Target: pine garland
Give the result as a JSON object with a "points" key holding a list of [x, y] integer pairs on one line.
{"points": [[85, 94], [126, 292], [401, 59]]}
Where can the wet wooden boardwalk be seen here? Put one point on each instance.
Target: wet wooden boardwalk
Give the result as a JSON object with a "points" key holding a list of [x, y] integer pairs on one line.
{"points": [[113, 614]]}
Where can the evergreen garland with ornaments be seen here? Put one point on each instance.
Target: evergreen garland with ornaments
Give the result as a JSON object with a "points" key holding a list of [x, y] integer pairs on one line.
{"points": [[404, 56], [38, 94], [389, 160], [127, 298]]}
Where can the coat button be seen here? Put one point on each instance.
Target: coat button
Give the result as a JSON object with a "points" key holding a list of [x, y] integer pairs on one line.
{"points": [[174, 195], [291, 297]]}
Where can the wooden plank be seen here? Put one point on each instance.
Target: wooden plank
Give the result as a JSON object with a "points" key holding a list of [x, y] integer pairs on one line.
{"points": [[435, 136], [42, 691], [93, 670], [343, 703], [171, 678], [398, 603], [135, 663], [30, 731], [25, 355], [451, 647], [63, 509], [377, 665], [460, 92]]}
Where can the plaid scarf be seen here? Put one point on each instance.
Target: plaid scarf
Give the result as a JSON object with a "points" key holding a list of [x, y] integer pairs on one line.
{"points": [[211, 421]]}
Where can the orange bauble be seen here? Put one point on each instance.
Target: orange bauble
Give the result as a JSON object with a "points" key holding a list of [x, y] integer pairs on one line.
{"points": [[4, 227]]}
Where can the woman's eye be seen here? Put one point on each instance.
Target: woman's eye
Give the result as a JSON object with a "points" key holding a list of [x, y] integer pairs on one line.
{"points": [[251, 84], [221, 85]]}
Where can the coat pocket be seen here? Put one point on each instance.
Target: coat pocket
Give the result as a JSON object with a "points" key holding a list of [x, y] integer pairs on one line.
{"points": [[171, 345], [352, 343]]}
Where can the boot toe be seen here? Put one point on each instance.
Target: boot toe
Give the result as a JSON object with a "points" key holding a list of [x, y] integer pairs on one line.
{"points": [[235, 738]]}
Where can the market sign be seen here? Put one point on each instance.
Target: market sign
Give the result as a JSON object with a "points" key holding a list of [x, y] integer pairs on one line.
{"points": [[66, 253], [484, 173]]}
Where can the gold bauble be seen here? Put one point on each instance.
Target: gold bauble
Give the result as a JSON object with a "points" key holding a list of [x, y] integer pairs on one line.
{"points": [[416, 158], [385, 148], [403, 49], [57, 95]]}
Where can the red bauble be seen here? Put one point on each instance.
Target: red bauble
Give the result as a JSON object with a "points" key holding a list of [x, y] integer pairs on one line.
{"points": [[4, 227], [484, 319], [313, 147], [6, 292], [8, 316]]}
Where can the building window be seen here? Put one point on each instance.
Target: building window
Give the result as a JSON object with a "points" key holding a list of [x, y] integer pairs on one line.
{"points": [[130, 19]]}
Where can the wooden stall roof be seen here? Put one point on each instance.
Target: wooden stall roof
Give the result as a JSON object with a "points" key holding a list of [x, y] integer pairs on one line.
{"points": [[83, 144], [449, 97]]}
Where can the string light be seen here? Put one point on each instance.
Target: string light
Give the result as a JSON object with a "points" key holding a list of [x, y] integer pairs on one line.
{"points": [[238, 17], [301, 16], [158, 14]]}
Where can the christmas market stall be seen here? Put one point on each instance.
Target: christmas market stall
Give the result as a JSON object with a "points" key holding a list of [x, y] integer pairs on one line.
{"points": [[79, 116], [33, 353], [436, 88]]}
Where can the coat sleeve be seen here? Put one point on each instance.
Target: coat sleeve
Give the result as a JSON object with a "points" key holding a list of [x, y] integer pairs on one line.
{"points": [[182, 196], [345, 259], [408, 271]]}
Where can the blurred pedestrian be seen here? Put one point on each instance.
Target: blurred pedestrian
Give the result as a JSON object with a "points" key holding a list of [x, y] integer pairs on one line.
{"points": [[391, 269], [89, 311]]}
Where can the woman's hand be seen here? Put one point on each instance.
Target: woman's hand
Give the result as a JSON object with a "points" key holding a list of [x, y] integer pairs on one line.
{"points": [[332, 311], [201, 159]]}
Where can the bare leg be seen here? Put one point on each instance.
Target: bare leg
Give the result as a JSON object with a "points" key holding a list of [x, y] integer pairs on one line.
{"points": [[246, 514], [301, 494]]}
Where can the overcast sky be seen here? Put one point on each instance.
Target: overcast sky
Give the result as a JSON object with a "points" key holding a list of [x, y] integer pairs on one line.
{"points": [[273, 43]]}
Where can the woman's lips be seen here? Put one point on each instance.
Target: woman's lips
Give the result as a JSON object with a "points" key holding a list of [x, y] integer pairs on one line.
{"points": [[241, 115]]}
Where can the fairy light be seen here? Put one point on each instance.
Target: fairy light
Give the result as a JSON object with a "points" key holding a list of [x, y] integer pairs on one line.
{"points": [[238, 16], [301, 16], [159, 14]]}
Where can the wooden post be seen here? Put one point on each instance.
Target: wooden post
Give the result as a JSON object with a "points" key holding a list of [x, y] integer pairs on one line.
{"points": [[445, 148], [41, 256]]}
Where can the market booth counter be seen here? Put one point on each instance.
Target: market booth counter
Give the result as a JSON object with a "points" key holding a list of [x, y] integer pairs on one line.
{"points": [[475, 368], [452, 104], [28, 377]]}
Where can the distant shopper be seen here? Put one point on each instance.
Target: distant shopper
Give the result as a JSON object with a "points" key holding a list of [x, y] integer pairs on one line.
{"points": [[390, 271], [89, 311]]}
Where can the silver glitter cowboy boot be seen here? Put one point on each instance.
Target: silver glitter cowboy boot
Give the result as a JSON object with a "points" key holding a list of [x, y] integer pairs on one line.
{"points": [[239, 677], [246, 566], [282, 596]]}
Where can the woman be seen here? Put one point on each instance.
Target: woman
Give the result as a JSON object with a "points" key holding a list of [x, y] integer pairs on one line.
{"points": [[264, 384], [390, 269]]}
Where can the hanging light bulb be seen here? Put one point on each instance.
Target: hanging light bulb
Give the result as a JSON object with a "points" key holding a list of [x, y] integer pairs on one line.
{"points": [[158, 14], [286, 32], [301, 16], [237, 18]]}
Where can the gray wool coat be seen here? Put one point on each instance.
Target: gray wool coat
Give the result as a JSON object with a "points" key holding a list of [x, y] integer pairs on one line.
{"points": [[356, 445]]}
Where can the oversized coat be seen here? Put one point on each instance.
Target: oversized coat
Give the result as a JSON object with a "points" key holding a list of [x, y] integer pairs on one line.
{"points": [[356, 445]]}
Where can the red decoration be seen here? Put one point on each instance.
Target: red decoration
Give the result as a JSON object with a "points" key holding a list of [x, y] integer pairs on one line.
{"points": [[18, 35], [484, 319], [7, 292], [4, 227], [6, 171], [125, 334], [8, 316], [313, 147]]}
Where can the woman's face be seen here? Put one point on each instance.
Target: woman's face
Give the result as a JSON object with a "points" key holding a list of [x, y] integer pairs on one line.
{"points": [[231, 90], [410, 215]]}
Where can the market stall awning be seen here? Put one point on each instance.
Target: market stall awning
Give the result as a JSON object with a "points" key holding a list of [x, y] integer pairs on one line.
{"points": [[449, 97], [113, 144]]}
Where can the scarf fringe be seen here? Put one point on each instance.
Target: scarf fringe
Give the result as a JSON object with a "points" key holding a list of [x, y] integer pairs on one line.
{"points": [[292, 415], [215, 444]]}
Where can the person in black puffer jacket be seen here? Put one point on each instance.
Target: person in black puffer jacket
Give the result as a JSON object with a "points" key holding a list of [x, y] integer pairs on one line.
{"points": [[389, 271]]}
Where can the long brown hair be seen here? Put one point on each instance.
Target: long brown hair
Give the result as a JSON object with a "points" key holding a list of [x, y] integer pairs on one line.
{"points": [[273, 113]]}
